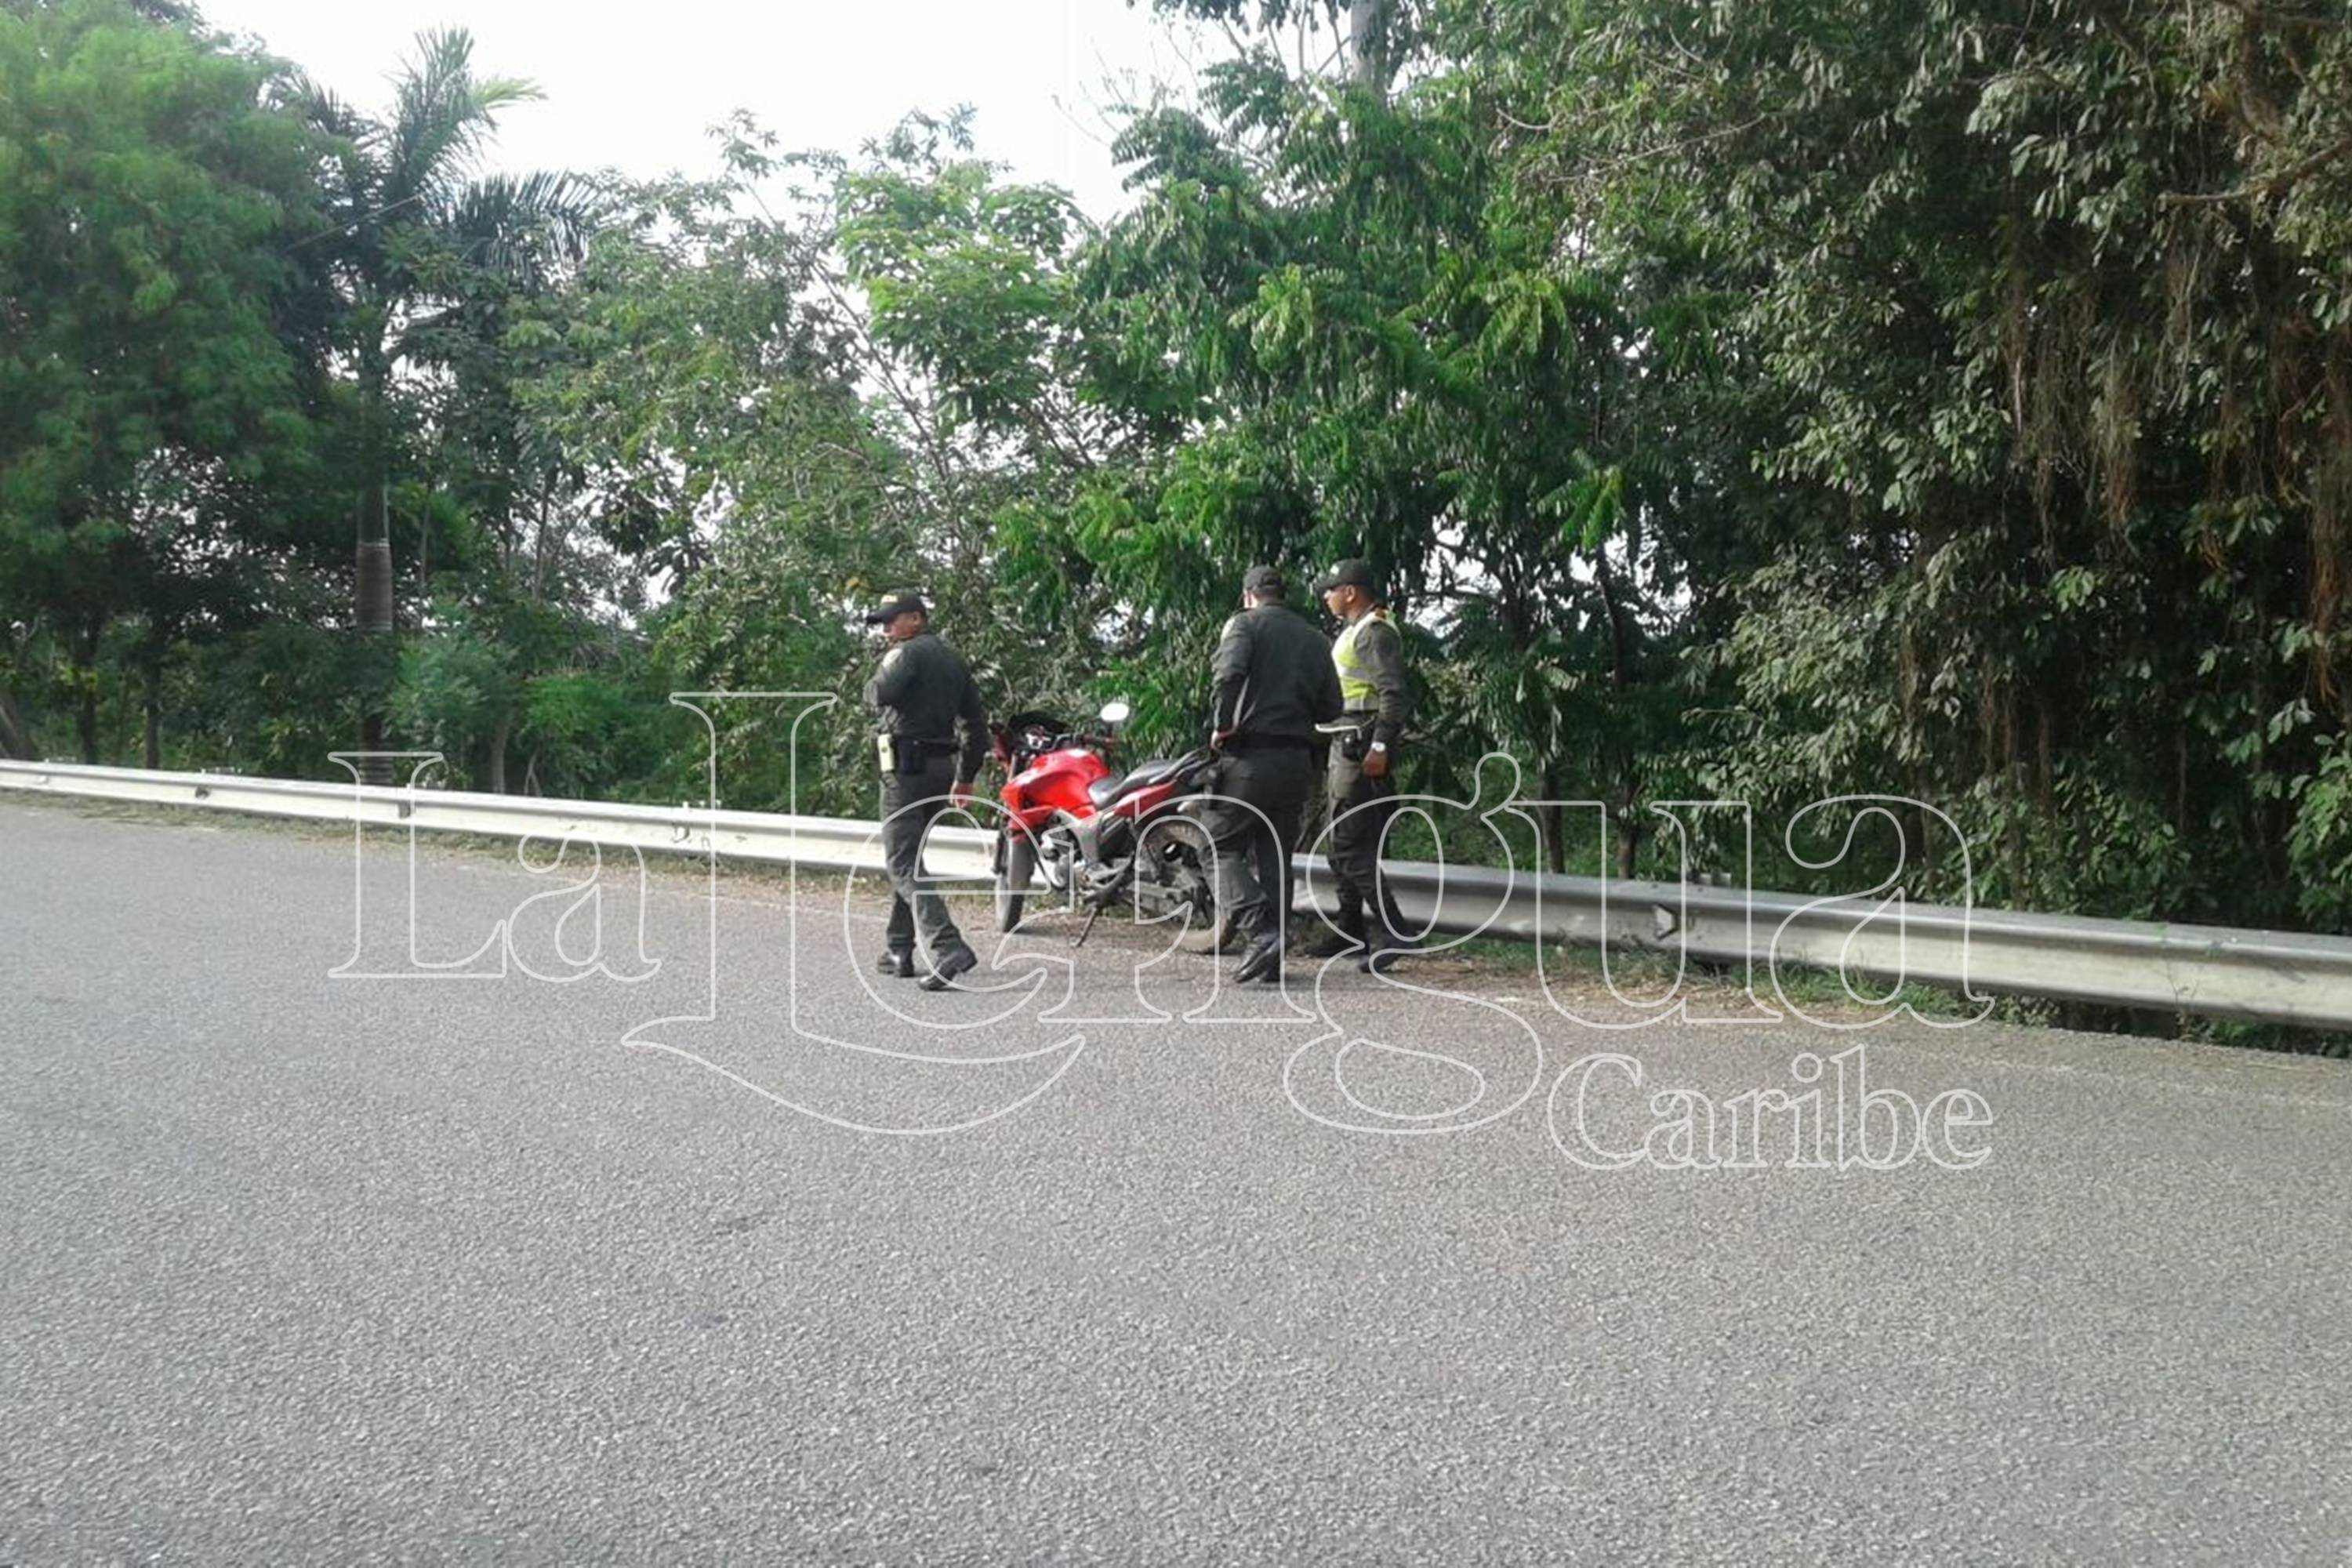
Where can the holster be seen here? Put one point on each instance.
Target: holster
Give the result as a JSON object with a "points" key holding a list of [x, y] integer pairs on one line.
{"points": [[908, 755]]}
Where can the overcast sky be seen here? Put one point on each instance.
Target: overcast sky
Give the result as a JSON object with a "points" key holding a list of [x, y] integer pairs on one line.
{"points": [[635, 88]]}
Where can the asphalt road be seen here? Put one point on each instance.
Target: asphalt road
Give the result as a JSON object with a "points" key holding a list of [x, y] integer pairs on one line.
{"points": [[302, 1267]]}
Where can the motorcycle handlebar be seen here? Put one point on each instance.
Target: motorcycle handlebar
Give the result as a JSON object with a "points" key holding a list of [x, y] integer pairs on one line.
{"points": [[1010, 746]]}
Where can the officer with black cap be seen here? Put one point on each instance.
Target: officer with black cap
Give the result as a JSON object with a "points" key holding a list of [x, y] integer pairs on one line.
{"points": [[1273, 682], [1368, 656], [919, 694]]}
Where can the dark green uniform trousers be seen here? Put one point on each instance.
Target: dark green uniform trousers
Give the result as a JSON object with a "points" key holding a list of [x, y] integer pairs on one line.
{"points": [[1253, 848], [1360, 810], [910, 803]]}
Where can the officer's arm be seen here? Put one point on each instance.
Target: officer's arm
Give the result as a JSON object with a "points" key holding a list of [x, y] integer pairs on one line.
{"points": [[890, 684], [1229, 677], [975, 715], [1382, 648]]}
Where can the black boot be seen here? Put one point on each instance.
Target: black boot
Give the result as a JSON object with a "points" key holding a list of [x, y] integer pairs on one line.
{"points": [[1344, 934], [1332, 943], [1262, 960], [895, 964], [943, 978]]}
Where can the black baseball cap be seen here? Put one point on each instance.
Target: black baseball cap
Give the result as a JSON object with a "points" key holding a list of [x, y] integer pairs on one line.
{"points": [[1266, 580], [900, 602], [1348, 573]]}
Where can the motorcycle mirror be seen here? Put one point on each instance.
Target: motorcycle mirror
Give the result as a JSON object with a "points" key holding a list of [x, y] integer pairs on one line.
{"points": [[1115, 710]]}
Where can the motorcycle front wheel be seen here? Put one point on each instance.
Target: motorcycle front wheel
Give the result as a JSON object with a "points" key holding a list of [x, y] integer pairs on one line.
{"points": [[1016, 861]]}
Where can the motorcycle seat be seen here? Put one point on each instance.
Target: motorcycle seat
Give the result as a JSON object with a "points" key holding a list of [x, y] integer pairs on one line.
{"points": [[1111, 786]]}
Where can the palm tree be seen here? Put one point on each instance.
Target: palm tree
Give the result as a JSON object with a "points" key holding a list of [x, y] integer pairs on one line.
{"points": [[406, 193]]}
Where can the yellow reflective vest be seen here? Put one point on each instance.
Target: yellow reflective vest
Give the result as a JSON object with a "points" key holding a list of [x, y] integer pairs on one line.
{"points": [[1356, 687]]}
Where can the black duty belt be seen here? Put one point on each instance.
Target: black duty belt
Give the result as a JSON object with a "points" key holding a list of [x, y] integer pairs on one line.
{"points": [[1270, 743], [914, 751]]}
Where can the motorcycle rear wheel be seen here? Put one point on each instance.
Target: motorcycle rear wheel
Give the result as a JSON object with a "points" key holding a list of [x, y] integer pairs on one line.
{"points": [[1183, 852]]}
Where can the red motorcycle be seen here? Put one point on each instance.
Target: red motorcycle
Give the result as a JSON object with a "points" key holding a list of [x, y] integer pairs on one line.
{"points": [[1089, 831]]}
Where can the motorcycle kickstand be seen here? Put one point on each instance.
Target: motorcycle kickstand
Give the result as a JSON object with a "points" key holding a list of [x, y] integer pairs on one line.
{"points": [[1089, 929]]}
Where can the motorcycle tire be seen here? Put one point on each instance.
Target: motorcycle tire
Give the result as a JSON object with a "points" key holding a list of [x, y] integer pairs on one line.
{"points": [[1183, 875], [1016, 862]]}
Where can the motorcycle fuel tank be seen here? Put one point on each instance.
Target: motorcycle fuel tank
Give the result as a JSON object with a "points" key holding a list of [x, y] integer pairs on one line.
{"points": [[1059, 779]]}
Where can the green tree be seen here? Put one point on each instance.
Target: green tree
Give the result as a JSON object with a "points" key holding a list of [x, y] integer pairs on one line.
{"points": [[151, 369], [407, 211], [700, 381], [2040, 319], [1358, 336]]}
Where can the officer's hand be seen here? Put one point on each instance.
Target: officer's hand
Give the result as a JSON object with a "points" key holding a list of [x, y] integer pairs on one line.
{"points": [[960, 794], [1376, 764], [1217, 741]]}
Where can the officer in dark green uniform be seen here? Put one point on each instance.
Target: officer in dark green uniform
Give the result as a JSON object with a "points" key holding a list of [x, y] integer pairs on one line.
{"points": [[1368, 656], [1273, 683], [919, 695]]}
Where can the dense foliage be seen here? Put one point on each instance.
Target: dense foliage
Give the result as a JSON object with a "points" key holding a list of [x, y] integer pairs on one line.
{"points": [[1949, 399]]}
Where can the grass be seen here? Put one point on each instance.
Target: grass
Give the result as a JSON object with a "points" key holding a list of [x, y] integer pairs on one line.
{"points": [[1648, 974]]}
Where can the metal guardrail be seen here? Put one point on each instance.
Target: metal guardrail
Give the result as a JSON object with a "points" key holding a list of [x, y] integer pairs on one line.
{"points": [[818, 842], [2272, 976], [2219, 970]]}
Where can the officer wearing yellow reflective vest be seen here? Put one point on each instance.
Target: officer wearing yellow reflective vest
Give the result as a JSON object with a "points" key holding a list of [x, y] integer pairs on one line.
{"points": [[1369, 655]]}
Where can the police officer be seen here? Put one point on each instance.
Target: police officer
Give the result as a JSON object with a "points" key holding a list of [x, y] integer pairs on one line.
{"points": [[1273, 682], [919, 694], [1368, 657]]}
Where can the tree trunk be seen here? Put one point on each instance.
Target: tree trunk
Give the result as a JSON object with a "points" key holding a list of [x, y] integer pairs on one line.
{"points": [[153, 649], [1629, 843], [371, 576], [1551, 827], [85, 668], [539, 547], [154, 726], [15, 741], [1620, 682], [1368, 44], [2180, 781], [497, 761], [2013, 771]]}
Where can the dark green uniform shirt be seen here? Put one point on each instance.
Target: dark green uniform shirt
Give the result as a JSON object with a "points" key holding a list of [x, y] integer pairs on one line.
{"points": [[1273, 675], [921, 692]]}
